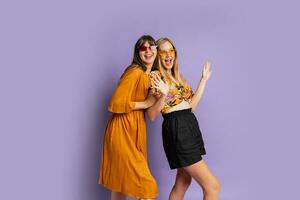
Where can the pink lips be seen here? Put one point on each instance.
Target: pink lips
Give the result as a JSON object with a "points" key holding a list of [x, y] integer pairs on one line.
{"points": [[148, 56], [168, 61]]}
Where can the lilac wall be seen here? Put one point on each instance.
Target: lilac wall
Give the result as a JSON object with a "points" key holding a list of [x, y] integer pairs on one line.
{"points": [[60, 61]]}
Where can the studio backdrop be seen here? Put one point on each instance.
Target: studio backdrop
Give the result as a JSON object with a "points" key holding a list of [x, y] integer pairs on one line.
{"points": [[61, 60]]}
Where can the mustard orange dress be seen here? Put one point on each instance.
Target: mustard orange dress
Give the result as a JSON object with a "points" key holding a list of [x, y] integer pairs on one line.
{"points": [[124, 166]]}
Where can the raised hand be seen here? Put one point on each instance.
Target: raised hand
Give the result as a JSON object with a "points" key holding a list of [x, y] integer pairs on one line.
{"points": [[159, 84], [206, 71]]}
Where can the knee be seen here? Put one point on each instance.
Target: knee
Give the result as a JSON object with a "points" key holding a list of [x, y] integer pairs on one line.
{"points": [[213, 187], [217, 186]]}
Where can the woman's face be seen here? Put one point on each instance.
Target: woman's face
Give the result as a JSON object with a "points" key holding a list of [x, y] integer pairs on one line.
{"points": [[167, 55], [148, 53]]}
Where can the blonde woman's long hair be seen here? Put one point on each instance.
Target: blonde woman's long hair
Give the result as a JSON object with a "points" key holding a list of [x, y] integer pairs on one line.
{"points": [[175, 69]]}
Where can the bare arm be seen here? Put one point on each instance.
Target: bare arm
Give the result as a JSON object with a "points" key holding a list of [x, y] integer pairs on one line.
{"points": [[154, 110], [163, 88], [201, 86], [145, 104]]}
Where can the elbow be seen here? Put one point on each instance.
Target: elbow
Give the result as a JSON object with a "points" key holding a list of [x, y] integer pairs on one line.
{"points": [[151, 116], [152, 119]]}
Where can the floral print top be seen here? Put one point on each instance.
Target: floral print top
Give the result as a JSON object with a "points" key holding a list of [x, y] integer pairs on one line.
{"points": [[176, 95]]}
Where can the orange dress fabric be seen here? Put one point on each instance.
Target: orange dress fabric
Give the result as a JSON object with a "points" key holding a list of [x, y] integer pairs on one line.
{"points": [[124, 166]]}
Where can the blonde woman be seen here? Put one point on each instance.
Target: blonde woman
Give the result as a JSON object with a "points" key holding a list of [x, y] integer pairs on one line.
{"points": [[182, 138]]}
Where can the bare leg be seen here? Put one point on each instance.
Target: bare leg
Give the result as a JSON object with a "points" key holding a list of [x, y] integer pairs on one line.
{"points": [[117, 196], [183, 181], [204, 177]]}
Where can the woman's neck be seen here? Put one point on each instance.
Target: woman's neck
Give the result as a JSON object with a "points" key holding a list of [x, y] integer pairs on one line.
{"points": [[169, 71], [149, 67]]}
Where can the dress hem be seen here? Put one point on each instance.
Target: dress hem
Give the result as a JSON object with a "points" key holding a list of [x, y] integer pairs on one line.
{"points": [[128, 194]]}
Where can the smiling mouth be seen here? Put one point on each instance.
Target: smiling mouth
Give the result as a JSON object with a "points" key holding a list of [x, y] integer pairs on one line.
{"points": [[168, 61], [148, 56]]}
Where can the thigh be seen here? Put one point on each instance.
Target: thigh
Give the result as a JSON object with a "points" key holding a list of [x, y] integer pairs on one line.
{"points": [[202, 174], [182, 176]]}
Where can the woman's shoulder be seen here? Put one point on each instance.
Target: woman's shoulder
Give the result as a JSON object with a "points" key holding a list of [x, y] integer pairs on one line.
{"points": [[133, 70]]}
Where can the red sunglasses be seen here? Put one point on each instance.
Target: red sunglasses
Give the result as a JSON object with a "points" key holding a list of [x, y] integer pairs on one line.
{"points": [[144, 48]]}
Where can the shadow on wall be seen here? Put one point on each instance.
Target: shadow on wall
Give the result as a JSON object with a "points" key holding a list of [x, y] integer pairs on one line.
{"points": [[93, 190], [89, 169]]}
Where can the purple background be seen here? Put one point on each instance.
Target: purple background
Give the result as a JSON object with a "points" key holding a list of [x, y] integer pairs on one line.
{"points": [[61, 60]]}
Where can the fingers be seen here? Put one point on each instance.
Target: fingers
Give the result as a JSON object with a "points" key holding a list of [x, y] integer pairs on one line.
{"points": [[159, 83], [207, 68], [160, 86], [207, 65], [155, 82], [155, 76], [155, 85]]}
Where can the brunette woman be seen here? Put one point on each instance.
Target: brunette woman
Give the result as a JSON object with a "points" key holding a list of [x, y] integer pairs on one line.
{"points": [[124, 169]]}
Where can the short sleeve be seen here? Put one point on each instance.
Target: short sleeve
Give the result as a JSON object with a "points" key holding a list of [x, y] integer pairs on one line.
{"points": [[121, 101], [188, 91]]}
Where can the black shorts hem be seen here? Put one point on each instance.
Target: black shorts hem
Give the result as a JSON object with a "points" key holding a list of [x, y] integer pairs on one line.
{"points": [[186, 164]]}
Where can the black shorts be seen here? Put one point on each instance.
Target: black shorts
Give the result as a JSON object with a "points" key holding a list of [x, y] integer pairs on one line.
{"points": [[182, 138]]}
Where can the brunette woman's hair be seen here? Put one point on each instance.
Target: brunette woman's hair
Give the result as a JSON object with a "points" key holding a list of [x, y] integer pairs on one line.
{"points": [[137, 61]]}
